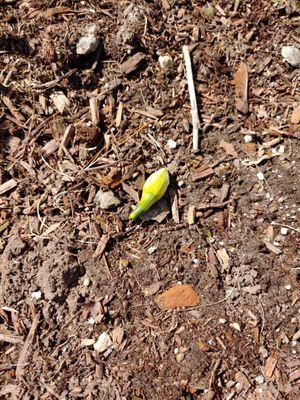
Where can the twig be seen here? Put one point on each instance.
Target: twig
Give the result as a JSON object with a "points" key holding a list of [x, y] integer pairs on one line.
{"points": [[193, 100]]}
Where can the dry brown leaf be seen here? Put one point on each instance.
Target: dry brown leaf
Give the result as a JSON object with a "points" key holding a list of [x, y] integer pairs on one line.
{"points": [[178, 296], [228, 147], [295, 117], [241, 88]]}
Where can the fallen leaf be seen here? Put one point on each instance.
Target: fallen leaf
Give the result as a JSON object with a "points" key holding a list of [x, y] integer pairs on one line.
{"points": [[228, 147], [178, 296], [241, 88], [295, 118]]}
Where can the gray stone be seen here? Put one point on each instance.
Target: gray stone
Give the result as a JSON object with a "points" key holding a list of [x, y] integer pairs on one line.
{"points": [[89, 41], [106, 200], [291, 54]]}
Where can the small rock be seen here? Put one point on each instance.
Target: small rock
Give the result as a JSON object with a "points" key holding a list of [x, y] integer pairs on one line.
{"points": [[106, 200], [236, 326], [89, 42], [165, 62], [36, 295], [86, 282], [288, 287], [103, 343], [87, 342], [248, 138], [260, 379], [152, 249], [172, 144], [284, 231], [260, 176], [179, 357], [222, 321], [291, 54], [178, 296]]}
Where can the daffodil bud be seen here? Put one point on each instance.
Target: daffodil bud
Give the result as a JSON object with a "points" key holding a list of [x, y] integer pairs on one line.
{"points": [[154, 189]]}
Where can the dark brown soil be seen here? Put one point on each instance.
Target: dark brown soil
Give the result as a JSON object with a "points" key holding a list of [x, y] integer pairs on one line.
{"points": [[71, 271]]}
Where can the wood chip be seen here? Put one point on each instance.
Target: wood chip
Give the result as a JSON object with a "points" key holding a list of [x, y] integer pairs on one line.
{"points": [[132, 193], [94, 110], [270, 366], [8, 185], [119, 114], [223, 258], [25, 349], [294, 376], [228, 147], [191, 215], [101, 246], [152, 289], [178, 296], [202, 172], [174, 208], [241, 88], [132, 63], [166, 5], [272, 248], [18, 116], [224, 192], [60, 101], [295, 117]]}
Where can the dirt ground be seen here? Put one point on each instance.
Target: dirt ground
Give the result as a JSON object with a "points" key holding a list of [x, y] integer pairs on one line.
{"points": [[79, 128]]}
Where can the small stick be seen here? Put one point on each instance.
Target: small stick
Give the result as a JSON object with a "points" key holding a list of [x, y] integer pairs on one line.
{"points": [[193, 100]]}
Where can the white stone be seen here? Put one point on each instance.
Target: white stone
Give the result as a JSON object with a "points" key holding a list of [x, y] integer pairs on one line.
{"points": [[236, 326], [103, 343], [288, 287], [222, 321], [260, 176], [36, 295], [260, 379], [291, 54], [152, 249], [89, 42], [284, 231], [91, 321], [106, 200], [172, 144], [165, 62], [248, 138]]}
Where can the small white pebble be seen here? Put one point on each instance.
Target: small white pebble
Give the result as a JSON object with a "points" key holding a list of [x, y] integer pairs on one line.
{"points": [[281, 149], [165, 62], [236, 326], [91, 321], [86, 282], [260, 379], [180, 183], [222, 321], [195, 261], [284, 231], [172, 144], [260, 176], [176, 350], [36, 295], [103, 343], [248, 138], [288, 287], [152, 249]]}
